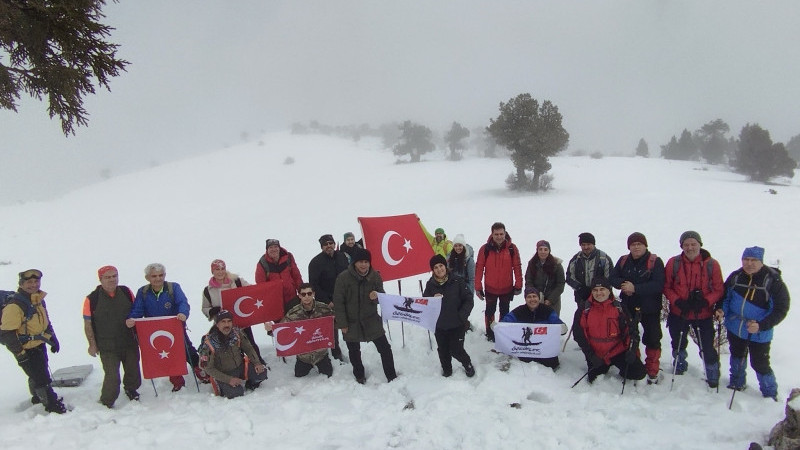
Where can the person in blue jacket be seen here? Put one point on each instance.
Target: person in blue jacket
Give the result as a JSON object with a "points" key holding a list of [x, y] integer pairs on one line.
{"points": [[162, 298], [756, 300], [534, 311]]}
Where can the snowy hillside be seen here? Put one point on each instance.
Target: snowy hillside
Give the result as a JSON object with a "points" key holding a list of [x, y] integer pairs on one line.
{"points": [[225, 204]]}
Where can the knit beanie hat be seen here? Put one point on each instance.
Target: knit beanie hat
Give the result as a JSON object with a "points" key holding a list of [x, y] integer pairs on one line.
{"points": [[439, 230], [361, 254], [217, 264], [754, 252], [271, 242], [101, 271], [531, 289], [324, 239], [691, 234], [586, 238], [224, 314], [543, 243], [600, 281], [459, 239], [637, 237], [349, 234], [437, 259]]}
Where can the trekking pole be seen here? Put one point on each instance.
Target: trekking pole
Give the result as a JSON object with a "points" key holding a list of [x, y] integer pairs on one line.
{"points": [[744, 361], [564, 347], [402, 328], [154, 386], [702, 353], [675, 362], [581, 378], [194, 375], [719, 338], [634, 345], [422, 292]]}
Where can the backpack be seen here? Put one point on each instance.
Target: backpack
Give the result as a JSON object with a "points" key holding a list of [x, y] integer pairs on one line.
{"points": [[205, 350], [207, 294], [651, 262], [94, 297], [265, 265], [169, 290], [511, 251], [8, 298], [709, 268]]}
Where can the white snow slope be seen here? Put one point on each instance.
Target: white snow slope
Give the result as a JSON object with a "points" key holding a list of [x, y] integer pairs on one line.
{"points": [[225, 204]]}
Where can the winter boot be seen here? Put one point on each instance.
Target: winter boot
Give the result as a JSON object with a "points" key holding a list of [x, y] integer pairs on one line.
{"points": [[177, 382], [651, 361], [738, 374], [712, 374], [132, 394], [447, 371], [679, 361], [469, 369], [768, 385], [489, 333], [51, 401]]}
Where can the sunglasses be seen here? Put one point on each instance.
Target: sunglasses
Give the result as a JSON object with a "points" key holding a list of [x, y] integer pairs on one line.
{"points": [[305, 294], [30, 274]]}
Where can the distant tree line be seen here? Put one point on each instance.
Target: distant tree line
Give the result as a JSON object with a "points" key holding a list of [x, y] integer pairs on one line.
{"points": [[752, 153]]}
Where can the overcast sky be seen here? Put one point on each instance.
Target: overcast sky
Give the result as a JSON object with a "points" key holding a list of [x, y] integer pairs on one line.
{"points": [[202, 74]]}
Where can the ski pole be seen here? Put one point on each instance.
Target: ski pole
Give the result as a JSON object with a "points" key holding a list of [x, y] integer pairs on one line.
{"points": [[581, 378], [677, 355], [637, 317], [744, 361], [719, 338], [702, 353]]}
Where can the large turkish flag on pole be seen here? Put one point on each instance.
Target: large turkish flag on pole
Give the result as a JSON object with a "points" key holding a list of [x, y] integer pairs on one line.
{"points": [[398, 245], [303, 336], [254, 304], [162, 346]]}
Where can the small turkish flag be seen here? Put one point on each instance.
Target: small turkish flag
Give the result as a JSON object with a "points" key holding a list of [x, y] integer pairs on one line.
{"points": [[162, 346], [540, 330], [254, 304], [398, 245], [303, 336]]}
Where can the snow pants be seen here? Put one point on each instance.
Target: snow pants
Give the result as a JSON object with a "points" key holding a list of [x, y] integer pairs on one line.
{"points": [[387, 359], [450, 344]]}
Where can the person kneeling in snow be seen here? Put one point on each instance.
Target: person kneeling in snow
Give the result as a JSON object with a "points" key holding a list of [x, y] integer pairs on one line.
{"points": [[607, 335], [534, 311], [225, 347]]}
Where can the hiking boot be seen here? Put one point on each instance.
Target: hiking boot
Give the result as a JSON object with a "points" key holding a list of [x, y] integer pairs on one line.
{"points": [[132, 394], [490, 336], [337, 354], [469, 369], [56, 406], [713, 384], [736, 388], [446, 372], [35, 400], [654, 379], [361, 380], [177, 382]]}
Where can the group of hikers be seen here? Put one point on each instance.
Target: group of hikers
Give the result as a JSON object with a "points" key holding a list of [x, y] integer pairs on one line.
{"points": [[343, 284]]}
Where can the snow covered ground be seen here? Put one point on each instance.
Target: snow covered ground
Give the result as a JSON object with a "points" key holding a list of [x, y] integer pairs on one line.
{"points": [[225, 204]]}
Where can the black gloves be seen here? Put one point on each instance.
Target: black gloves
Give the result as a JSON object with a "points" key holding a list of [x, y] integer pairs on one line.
{"points": [[630, 356], [54, 345], [480, 294], [517, 291], [213, 312], [682, 306], [595, 362], [696, 302]]}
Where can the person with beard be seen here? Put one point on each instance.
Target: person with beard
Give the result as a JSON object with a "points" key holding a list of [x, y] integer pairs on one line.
{"points": [[227, 346], [322, 272]]}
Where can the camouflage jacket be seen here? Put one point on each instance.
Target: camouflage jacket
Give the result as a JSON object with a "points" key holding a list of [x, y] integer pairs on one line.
{"points": [[298, 313]]}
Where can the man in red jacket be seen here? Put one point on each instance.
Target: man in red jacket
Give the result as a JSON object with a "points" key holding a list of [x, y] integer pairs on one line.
{"points": [[498, 274], [693, 285], [278, 264]]}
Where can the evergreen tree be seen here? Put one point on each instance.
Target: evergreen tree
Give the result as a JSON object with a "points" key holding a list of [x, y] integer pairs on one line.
{"points": [[55, 49], [415, 139], [759, 158], [793, 148], [642, 149], [683, 148], [533, 133], [711, 140], [455, 140], [670, 149]]}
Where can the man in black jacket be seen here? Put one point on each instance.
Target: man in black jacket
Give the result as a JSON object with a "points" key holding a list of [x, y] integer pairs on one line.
{"points": [[322, 272]]}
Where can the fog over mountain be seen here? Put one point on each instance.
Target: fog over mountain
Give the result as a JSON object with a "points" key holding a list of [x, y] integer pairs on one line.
{"points": [[206, 77]]}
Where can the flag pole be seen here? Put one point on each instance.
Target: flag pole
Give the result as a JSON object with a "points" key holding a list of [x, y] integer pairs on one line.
{"points": [[154, 386], [421, 292], [402, 328]]}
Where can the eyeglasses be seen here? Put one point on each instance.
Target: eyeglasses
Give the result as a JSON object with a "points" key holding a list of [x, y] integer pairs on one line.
{"points": [[306, 294], [30, 274]]}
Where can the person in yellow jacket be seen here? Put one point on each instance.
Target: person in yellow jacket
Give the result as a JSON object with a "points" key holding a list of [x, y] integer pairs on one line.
{"points": [[439, 242], [24, 329]]}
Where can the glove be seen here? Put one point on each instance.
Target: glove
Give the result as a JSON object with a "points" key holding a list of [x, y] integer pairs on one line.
{"points": [[517, 291], [213, 312], [596, 361], [682, 306], [630, 357], [697, 302], [54, 345], [480, 295]]}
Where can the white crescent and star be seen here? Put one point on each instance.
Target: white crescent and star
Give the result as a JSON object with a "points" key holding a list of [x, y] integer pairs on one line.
{"points": [[164, 354], [237, 306], [278, 345], [385, 248]]}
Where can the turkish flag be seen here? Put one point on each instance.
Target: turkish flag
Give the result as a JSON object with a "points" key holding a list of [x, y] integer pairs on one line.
{"points": [[398, 245], [303, 336], [162, 346], [254, 304]]}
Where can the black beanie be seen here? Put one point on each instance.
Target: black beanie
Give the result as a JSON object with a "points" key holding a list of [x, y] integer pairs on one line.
{"points": [[586, 238], [324, 239], [637, 237], [438, 259], [600, 281], [362, 254]]}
